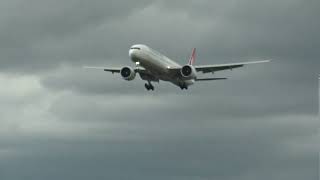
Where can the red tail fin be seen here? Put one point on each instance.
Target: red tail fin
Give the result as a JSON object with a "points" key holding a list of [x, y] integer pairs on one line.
{"points": [[192, 57]]}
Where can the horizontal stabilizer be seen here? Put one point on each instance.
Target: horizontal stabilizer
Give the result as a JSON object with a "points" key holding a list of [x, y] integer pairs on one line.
{"points": [[211, 79]]}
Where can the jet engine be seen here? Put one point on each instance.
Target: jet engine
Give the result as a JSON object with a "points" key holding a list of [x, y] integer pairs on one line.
{"points": [[188, 72], [128, 73]]}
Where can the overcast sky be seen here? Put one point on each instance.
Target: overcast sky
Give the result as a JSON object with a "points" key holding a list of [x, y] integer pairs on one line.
{"points": [[59, 121]]}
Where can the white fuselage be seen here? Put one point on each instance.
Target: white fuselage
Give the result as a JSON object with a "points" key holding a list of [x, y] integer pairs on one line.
{"points": [[157, 64]]}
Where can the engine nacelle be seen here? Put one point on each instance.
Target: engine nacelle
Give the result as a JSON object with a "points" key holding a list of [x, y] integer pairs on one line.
{"points": [[188, 72], [128, 73]]}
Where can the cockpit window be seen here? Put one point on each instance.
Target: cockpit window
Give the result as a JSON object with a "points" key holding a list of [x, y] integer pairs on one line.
{"points": [[136, 48]]}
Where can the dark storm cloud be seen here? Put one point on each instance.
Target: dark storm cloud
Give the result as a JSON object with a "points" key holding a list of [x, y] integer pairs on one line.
{"points": [[195, 153], [268, 28], [236, 33], [79, 32], [61, 121], [275, 91], [26, 24]]}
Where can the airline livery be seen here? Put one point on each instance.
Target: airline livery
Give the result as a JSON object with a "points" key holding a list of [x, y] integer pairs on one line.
{"points": [[152, 66]]}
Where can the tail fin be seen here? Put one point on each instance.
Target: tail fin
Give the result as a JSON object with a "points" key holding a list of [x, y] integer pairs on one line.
{"points": [[192, 57]]}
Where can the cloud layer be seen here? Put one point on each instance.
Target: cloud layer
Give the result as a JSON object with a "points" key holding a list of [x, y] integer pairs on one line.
{"points": [[61, 121]]}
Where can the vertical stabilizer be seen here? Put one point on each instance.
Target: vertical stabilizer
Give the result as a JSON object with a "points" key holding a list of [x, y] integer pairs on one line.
{"points": [[192, 57]]}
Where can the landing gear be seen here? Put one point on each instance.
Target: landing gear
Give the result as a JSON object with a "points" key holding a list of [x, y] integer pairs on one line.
{"points": [[149, 86], [183, 86]]}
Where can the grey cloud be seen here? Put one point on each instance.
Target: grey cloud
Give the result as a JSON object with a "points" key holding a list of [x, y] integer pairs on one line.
{"points": [[269, 28], [192, 154], [26, 24], [263, 89], [61, 121], [80, 32]]}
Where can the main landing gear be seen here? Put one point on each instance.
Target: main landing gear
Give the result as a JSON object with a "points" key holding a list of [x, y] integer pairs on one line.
{"points": [[149, 86]]}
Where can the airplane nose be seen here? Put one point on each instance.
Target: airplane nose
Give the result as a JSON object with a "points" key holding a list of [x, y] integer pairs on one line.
{"points": [[130, 52], [133, 53]]}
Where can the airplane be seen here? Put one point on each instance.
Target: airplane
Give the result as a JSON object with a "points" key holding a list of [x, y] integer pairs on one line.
{"points": [[152, 66]]}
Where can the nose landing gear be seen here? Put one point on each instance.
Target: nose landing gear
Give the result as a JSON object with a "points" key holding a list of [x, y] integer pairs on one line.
{"points": [[184, 87], [149, 86]]}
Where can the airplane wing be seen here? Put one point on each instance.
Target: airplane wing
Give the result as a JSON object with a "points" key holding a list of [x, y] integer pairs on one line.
{"points": [[116, 69], [144, 74], [109, 69], [220, 67]]}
